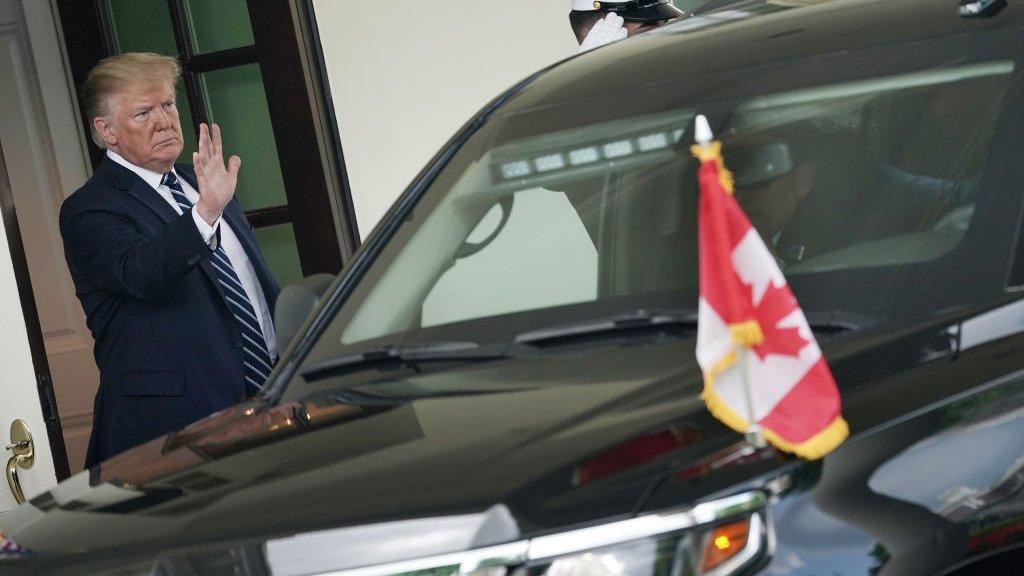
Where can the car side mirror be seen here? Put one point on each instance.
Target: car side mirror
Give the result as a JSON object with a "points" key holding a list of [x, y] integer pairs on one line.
{"points": [[295, 303]]}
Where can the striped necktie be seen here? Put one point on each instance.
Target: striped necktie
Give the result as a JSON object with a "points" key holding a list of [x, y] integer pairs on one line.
{"points": [[254, 348]]}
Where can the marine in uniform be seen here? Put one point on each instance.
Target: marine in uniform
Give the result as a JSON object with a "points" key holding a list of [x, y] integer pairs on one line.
{"points": [[599, 22]]}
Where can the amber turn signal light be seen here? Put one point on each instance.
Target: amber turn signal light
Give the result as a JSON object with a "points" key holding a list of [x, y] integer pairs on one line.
{"points": [[724, 543]]}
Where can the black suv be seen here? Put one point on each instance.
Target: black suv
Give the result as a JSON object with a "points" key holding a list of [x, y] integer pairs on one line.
{"points": [[503, 381]]}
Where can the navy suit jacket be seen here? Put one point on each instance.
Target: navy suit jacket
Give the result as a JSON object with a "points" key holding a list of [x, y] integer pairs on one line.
{"points": [[167, 347]]}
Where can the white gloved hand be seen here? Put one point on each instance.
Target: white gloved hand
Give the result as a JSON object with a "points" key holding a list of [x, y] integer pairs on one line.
{"points": [[607, 30]]}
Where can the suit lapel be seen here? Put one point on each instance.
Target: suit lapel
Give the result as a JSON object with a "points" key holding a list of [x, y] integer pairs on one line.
{"points": [[145, 194], [125, 179]]}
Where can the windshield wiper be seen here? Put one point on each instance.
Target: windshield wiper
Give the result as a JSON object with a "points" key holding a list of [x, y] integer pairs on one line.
{"points": [[643, 323], [360, 397], [635, 322], [392, 357]]}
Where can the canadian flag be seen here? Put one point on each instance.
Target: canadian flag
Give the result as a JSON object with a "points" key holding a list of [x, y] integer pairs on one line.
{"points": [[757, 352]]}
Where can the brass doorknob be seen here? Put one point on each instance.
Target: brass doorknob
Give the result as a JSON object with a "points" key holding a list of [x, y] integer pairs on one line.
{"points": [[23, 455]]}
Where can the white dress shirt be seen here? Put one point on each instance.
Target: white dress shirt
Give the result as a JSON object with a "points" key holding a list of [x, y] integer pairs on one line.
{"points": [[228, 241]]}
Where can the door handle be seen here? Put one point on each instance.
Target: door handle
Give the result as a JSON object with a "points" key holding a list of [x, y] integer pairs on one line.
{"points": [[23, 455]]}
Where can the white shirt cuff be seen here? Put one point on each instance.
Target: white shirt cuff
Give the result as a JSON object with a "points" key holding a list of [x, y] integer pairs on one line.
{"points": [[205, 230]]}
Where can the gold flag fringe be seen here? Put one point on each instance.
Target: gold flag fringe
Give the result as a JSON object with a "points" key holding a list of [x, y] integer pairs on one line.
{"points": [[713, 151], [813, 448]]}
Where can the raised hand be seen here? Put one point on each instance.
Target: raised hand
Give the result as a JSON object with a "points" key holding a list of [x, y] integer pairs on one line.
{"points": [[216, 180]]}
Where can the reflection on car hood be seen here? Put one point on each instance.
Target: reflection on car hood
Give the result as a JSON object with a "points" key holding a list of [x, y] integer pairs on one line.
{"points": [[320, 462], [555, 441]]}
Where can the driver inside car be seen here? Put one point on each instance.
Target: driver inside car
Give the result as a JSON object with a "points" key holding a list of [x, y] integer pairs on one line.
{"points": [[809, 192], [770, 183]]}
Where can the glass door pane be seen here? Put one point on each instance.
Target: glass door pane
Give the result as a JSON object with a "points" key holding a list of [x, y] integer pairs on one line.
{"points": [[142, 26], [279, 248], [236, 101], [218, 24]]}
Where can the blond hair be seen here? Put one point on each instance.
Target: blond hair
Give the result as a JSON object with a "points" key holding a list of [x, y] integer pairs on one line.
{"points": [[113, 74]]}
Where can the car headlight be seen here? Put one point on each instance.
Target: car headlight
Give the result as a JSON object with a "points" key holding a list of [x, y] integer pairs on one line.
{"points": [[718, 538], [724, 537], [724, 549]]}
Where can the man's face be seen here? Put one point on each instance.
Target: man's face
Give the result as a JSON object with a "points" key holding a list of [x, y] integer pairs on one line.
{"points": [[143, 126]]}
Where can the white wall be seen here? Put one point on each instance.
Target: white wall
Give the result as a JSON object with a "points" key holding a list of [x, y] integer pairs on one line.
{"points": [[405, 75]]}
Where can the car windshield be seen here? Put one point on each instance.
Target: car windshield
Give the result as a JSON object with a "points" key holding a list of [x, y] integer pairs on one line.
{"points": [[863, 188]]}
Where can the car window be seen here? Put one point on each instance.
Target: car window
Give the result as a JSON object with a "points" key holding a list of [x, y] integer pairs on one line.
{"points": [[542, 236], [888, 170], [876, 173], [870, 190], [577, 231]]}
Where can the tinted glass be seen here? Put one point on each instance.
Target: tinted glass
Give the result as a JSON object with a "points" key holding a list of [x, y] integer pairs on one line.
{"points": [[142, 26], [278, 245], [882, 172], [218, 24], [238, 104], [501, 271]]}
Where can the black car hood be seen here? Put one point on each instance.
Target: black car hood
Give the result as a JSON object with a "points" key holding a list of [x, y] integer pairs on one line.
{"points": [[521, 437], [535, 446]]}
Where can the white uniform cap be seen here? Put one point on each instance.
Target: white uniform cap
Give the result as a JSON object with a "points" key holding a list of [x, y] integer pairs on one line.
{"points": [[582, 5]]}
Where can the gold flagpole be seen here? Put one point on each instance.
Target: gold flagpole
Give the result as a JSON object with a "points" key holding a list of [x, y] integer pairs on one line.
{"points": [[754, 434]]}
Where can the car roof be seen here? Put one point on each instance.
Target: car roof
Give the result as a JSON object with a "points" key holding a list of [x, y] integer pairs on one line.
{"points": [[752, 33]]}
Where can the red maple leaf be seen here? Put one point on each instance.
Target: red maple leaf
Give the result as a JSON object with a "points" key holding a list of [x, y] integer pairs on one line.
{"points": [[777, 303]]}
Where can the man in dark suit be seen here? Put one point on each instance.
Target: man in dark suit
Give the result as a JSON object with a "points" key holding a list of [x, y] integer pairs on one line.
{"points": [[175, 290]]}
